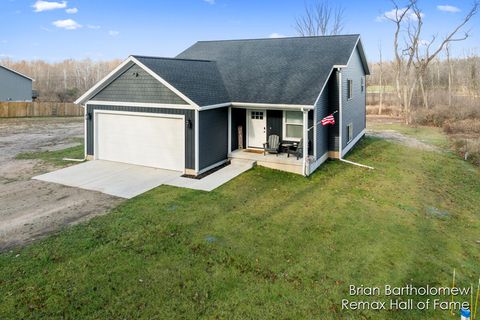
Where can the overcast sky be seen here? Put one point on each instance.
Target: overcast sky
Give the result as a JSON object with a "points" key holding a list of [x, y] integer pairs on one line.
{"points": [[110, 29]]}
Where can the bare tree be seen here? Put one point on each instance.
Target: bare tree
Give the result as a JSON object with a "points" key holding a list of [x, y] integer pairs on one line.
{"points": [[320, 19], [380, 74], [450, 75], [413, 58]]}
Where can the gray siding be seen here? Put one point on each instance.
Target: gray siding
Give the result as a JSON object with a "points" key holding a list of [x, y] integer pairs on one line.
{"points": [[189, 132], [327, 136], [14, 87], [353, 110], [274, 123], [213, 137], [333, 131], [129, 87], [322, 109]]}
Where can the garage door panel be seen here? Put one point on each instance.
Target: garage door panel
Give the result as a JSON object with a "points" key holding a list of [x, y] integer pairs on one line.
{"points": [[153, 141]]}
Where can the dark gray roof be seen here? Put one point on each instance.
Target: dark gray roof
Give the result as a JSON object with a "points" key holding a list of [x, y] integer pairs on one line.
{"points": [[277, 71], [199, 80]]}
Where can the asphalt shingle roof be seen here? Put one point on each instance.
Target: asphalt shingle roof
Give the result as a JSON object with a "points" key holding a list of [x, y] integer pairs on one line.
{"points": [[277, 71], [199, 80]]}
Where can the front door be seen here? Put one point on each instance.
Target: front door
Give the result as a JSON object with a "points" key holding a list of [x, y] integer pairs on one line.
{"points": [[257, 125]]}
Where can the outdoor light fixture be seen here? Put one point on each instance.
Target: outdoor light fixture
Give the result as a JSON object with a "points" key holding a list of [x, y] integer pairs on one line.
{"points": [[189, 124], [88, 116]]}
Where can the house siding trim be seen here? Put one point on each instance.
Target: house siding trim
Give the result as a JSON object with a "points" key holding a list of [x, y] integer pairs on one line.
{"points": [[141, 104]]}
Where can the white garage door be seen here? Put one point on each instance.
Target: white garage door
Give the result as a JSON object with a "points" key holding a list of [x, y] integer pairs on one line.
{"points": [[144, 139]]}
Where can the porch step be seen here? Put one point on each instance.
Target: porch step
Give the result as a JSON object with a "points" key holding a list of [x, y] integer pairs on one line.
{"points": [[243, 162]]}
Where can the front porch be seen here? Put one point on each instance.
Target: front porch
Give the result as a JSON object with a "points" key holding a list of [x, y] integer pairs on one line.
{"points": [[249, 129], [279, 162]]}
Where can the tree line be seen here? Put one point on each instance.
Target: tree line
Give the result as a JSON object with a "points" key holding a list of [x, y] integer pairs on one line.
{"points": [[62, 81]]}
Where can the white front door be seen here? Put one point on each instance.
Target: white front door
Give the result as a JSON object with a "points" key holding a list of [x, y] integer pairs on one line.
{"points": [[257, 128]]}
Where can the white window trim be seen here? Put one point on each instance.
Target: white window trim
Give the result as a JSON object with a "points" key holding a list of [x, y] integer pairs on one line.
{"points": [[284, 127], [349, 89], [349, 136]]}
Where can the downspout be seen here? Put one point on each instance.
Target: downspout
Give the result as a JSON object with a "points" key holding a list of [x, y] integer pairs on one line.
{"points": [[305, 142], [229, 133], [340, 112], [85, 132], [197, 141]]}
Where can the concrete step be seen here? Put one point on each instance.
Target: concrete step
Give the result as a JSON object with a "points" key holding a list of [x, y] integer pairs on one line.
{"points": [[243, 162]]}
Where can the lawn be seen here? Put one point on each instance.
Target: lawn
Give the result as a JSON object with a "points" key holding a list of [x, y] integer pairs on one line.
{"points": [[428, 135], [267, 245], [56, 157]]}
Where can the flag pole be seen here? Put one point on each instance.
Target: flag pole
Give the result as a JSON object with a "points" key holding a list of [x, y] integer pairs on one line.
{"points": [[320, 120]]}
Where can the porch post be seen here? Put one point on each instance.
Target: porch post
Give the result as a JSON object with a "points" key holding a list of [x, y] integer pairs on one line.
{"points": [[229, 130], [305, 142]]}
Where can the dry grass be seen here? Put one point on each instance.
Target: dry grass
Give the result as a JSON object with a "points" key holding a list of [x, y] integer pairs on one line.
{"points": [[461, 122]]}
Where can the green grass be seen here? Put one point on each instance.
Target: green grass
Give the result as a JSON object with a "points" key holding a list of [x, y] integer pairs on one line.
{"points": [[429, 135], [267, 245], [55, 157]]}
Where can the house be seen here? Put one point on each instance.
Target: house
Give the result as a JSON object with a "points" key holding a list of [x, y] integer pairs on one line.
{"points": [[222, 99], [14, 86]]}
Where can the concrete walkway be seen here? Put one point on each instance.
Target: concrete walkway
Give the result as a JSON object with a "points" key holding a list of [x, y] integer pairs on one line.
{"points": [[127, 181], [215, 179]]}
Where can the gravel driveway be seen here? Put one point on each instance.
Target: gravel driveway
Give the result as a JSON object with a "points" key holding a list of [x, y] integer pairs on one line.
{"points": [[30, 209]]}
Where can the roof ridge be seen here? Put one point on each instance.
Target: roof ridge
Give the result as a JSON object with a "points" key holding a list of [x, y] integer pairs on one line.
{"points": [[169, 58], [282, 38]]}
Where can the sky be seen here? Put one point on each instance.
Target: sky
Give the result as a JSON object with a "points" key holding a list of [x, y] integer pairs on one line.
{"points": [[113, 29]]}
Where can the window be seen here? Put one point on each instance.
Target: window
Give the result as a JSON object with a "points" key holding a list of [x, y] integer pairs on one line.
{"points": [[363, 84], [349, 89], [257, 115], [293, 125], [350, 132]]}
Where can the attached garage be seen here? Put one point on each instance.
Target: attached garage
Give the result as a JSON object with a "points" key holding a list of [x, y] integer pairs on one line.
{"points": [[147, 139]]}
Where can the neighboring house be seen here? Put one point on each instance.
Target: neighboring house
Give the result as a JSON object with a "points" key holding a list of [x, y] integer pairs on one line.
{"points": [[14, 86], [194, 112]]}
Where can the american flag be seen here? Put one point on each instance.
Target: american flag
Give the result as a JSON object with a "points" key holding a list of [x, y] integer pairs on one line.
{"points": [[328, 120]]}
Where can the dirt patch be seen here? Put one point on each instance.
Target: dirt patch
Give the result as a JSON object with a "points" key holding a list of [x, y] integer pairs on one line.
{"points": [[402, 139], [32, 209]]}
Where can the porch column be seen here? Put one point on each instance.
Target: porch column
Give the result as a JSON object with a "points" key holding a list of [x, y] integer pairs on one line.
{"points": [[229, 130], [305, 142]]}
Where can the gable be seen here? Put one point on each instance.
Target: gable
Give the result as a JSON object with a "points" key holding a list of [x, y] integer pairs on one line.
{"points": [[199, 80], [136, 85]]}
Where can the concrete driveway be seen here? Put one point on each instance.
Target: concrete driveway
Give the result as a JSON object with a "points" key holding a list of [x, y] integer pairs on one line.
{"points": [[113, 178]]}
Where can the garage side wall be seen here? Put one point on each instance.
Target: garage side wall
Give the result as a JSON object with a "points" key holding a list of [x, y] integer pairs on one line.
{"points": [[213, 137], [189, 132]]}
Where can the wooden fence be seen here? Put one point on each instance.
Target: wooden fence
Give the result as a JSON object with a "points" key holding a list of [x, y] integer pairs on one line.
{"points": [[39, 109]]}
